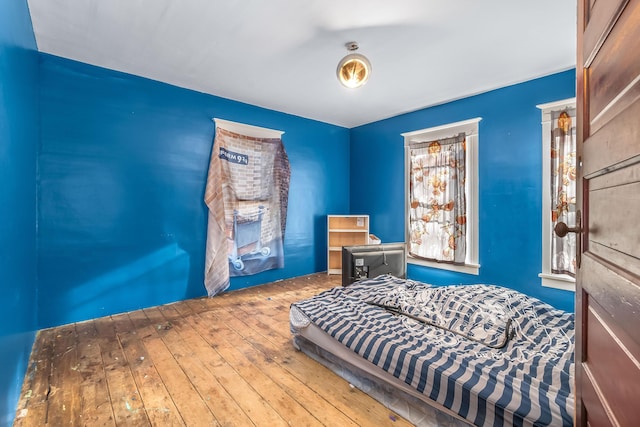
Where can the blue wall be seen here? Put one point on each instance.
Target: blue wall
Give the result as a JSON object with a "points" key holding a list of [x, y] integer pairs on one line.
{"points": [[123, 164], [18, 143], [510, 187]]}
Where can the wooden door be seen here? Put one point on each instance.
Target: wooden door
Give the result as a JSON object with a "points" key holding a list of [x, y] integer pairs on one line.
{"points": [[608, 282]]}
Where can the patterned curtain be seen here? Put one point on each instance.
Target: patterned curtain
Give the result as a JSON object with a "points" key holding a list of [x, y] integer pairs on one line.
{"points": [[563, 190], [438, 217]]}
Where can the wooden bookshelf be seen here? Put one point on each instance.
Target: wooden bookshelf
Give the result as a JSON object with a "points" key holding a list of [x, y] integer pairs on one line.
{"points": [[344, 230]]}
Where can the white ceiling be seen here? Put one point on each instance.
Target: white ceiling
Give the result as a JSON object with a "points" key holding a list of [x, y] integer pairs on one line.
{"points": [[282, 54]]}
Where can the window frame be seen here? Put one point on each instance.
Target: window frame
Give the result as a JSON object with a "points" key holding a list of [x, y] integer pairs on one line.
{"points": [[548, 278], [471, 129]]}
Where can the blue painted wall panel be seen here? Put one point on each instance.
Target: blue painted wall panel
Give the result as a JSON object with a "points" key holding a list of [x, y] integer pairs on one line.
{"points": [[123, 165], [510, 160], [18, 143]]}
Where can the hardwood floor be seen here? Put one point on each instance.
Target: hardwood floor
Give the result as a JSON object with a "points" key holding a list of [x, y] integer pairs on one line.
{"points": [[226, 360]]}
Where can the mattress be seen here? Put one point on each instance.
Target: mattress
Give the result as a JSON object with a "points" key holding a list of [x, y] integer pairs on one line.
{"points": [[489, 355]]}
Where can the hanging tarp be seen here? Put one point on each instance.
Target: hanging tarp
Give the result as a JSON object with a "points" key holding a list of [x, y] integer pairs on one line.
{"points": [[247, 193]]}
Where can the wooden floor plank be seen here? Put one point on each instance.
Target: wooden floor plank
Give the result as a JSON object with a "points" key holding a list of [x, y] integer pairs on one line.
{"points": [[139, 319], [96, 408], [122, 323], [32, 406], [315, 404], [193, 363], [270, 319], [227, 360], [228, 391], [186, 398], [157, 401], [170, 312], [229, 346], [182, 307], [64, 396], [125, 399], [238, 387], [277, 345]]}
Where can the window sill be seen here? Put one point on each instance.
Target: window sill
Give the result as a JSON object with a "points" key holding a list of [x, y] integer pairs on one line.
{"points": [[466, 268], [558, 281]]}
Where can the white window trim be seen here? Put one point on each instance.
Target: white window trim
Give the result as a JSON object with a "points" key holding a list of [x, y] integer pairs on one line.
{"points": [[549, 279], [470, 128]]}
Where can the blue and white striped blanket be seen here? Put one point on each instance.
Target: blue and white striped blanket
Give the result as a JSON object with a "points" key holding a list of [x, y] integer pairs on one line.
{"points": [[527, 381]]}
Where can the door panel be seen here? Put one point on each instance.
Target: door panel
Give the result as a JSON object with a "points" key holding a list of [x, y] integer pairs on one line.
{"points": [[610, 206], [608, 361], [608, 280], [615, 292], [610, 145], [612, 76], [598, 18], [597, 415]]}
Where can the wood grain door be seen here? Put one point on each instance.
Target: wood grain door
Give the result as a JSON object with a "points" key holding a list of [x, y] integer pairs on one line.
{"points": [[608, 283]]}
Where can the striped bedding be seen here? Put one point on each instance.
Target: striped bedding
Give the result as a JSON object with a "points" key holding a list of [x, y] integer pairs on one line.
{"points": [[492, 355]]}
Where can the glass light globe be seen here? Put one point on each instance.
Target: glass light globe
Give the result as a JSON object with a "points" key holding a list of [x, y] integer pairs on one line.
{"points": [[354, 70]]}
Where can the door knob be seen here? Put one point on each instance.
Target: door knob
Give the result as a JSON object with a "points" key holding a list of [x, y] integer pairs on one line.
{"points": [[563, 229]]}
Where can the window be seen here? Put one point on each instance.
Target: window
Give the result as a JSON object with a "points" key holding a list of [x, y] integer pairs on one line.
{"points": [[441, 196], [558, 193]]}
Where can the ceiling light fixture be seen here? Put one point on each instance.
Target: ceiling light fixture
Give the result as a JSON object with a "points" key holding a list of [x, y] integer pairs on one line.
{"points": [[354, 69]]}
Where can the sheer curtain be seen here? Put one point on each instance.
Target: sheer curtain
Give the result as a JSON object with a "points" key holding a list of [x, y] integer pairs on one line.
{"points": [[437, 200], [563, 190]]}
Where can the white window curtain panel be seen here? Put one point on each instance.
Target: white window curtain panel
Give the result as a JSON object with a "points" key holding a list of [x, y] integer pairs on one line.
{"points": [[437, 200], [563, 190]]}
